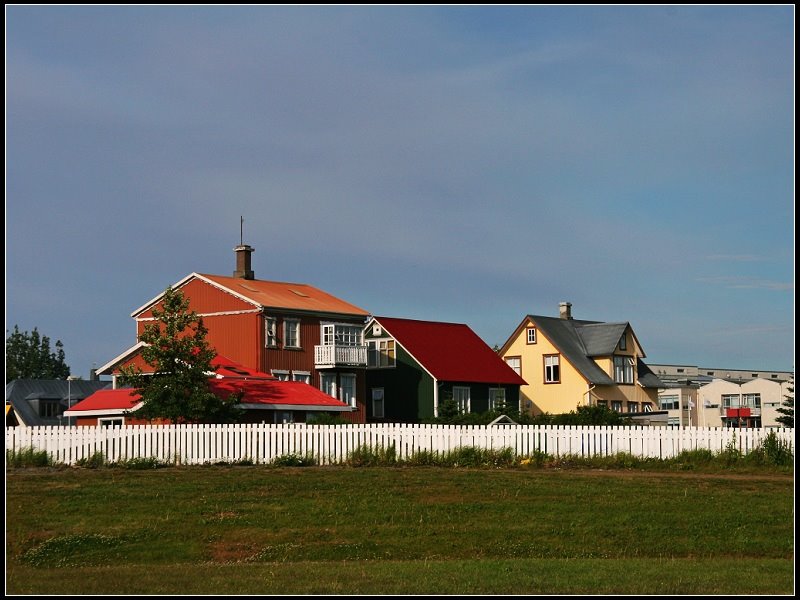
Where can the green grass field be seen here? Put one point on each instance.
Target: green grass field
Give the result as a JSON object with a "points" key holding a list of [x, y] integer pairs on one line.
{"points": [[402, 530]]}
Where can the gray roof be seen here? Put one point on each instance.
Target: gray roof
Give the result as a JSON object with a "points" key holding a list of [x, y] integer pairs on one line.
{"points": [[24, 395], [578, 341]]}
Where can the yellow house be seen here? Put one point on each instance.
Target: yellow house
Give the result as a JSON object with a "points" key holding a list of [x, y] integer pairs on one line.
{"points": [[569, 363]]}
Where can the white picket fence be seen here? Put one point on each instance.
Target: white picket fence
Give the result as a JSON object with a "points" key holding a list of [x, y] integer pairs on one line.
{"points": [[331, 444]]}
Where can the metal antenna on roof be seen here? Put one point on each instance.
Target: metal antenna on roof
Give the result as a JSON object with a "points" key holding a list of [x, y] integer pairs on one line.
{"points": [[241, 230]]}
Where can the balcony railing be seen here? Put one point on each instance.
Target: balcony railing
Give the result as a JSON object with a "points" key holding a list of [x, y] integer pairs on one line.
{"points": [[336, 356]]}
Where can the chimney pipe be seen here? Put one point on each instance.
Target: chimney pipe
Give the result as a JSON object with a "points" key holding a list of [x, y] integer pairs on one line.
{"points": [[243, 269], [565, 310]]}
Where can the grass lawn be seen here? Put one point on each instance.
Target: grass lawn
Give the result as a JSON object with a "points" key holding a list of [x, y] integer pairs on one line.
{"points": [[409, 530]]}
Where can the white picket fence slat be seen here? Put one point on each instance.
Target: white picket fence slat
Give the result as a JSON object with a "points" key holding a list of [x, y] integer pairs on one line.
{"points": [[332, 444]]}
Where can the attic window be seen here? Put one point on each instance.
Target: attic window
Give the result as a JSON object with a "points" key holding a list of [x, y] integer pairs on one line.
{"points": [[623, 343], [299, 293]]}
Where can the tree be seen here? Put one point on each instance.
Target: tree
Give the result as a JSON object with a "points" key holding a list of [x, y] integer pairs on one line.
{"points": [[178, 390], [787, 408], [28, 356]]}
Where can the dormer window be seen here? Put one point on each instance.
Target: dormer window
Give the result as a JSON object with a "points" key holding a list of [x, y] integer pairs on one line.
{"points": [[623, 343], [623, 369]]}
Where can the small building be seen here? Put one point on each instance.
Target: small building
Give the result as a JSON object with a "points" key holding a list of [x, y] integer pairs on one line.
{"points": [[413, 366], [39, 402]]}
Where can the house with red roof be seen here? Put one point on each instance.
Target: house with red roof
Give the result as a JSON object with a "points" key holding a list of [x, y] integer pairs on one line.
{"points": [[413, 366], [263, 398], [292, 331]]}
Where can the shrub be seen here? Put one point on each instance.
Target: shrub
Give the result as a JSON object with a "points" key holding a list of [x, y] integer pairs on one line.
{"points": [[94, 461], [28, 457], [365, 456], [293, 460], [142, 464], [772, 451]]}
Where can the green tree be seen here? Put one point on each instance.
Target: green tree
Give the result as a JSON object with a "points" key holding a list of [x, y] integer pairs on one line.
{"points": [[28, 356], [177, 388], [787, 408]]}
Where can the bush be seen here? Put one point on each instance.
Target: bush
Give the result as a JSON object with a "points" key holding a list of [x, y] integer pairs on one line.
{"points": [[365, 456], [293, 460], [772, 451], [28, 457], [94, 461]]}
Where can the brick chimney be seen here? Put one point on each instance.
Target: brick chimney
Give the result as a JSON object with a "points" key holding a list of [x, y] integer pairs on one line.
{"points": [[565, 310], [243, 269]]}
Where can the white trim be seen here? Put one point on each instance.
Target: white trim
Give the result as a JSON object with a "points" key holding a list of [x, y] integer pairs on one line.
{"points": [[186, 280], [424, 368], [115, 361], [214, 314], [107, 411], [314, 407]]}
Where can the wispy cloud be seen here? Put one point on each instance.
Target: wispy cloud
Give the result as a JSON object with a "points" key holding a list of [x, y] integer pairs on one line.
{"points": [[744, 282]]}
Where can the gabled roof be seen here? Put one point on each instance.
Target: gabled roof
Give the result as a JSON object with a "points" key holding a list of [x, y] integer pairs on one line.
{"points": [[450, 351], [271, 294], [579, 341], [105, 402], [20, 393]]}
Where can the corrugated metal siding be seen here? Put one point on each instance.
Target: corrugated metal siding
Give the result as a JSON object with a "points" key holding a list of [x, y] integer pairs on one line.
{"points": [[205, 298], [237, 337]]}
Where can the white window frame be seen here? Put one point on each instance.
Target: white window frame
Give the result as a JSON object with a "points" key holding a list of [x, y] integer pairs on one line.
{"points": [[378, 403], [109, 421], [327, 383], [304, 376], [496, 394], [347, 393], [292, 325], [669, 402], [270, 332], [616, 405], [731, 401], [530, 335], [552, 368], [623, 369], [461, 395], [515, 362], [280, 374], [381, 353]]}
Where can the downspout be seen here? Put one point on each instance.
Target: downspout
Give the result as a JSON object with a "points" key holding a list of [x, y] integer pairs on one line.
{"points": [[435, 399]]}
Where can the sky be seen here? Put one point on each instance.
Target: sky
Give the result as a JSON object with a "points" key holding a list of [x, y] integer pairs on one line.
{"points": [[467, 164]]}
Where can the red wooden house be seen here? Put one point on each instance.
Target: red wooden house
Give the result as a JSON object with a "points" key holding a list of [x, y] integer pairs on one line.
{"points": [[293, 331]]}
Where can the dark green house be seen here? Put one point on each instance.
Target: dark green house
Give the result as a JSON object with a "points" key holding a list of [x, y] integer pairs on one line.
{"points": [[413, 366]]}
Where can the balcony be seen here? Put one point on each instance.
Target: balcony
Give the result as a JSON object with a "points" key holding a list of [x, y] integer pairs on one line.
{"points": [[329, 357]]}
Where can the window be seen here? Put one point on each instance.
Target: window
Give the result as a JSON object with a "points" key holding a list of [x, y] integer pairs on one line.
{"points": [[602, 403], [291, 333], [674, 421], [623, 369], [285, 416], [669, 402], [327, 383], [497, 398], [377, 403], [49, 408], [623, 343], [380, 353], [751, 400], [303, 376], [111, 422], [515, 362], [730, 400], [551, 369], [633, 407], [461, 396], [531, 335], [341, 335], [347, 388], [709, 372], [271, 332], [280, 375], [647, 407], [616, 406]]}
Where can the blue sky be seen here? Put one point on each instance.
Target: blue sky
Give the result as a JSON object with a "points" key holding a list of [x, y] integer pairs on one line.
{"points": [[454, 163]]}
